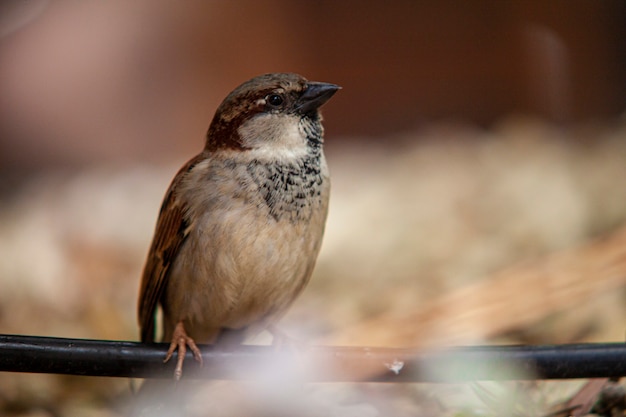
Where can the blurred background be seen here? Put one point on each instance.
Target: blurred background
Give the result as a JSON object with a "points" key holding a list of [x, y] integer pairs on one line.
{"points": [[477, 151]]}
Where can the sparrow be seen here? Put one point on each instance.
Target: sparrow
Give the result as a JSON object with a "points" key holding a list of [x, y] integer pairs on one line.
{"points": [[241, 224]]}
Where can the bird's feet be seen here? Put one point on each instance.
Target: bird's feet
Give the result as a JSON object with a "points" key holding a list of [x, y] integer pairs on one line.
{"points": [[282, 341], [180, 341]]}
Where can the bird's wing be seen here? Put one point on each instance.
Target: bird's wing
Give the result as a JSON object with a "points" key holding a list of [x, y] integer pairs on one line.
{"points": [[171, 231]]}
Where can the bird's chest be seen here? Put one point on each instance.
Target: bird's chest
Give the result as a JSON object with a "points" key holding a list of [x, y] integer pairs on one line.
{"points": [[290, 192], [254, 243]]}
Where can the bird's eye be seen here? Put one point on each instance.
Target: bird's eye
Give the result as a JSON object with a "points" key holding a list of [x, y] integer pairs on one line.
{"points": [[274, 100]]}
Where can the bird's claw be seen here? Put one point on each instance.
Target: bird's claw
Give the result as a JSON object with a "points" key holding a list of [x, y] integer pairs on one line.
{"points": [[180, 341]]}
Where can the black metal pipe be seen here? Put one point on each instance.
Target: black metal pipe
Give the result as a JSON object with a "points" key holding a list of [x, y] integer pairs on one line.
{"points": [[322, 364]]}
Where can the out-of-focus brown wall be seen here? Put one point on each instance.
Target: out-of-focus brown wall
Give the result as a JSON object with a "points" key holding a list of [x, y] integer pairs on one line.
{"points": [[410, 61], [97, 81]]}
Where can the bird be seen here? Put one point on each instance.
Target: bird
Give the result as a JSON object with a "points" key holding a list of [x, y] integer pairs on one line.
{"points": [[241, 225]]}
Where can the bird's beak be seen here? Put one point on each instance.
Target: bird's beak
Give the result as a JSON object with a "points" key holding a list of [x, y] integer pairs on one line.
{"points": [[315, 95]]}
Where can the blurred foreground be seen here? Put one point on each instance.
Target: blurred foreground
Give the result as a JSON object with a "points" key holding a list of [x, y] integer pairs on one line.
{"points": [[434, 227]]}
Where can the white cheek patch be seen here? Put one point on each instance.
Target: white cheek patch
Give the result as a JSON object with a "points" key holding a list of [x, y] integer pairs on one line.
{"points": [[274, 137]]}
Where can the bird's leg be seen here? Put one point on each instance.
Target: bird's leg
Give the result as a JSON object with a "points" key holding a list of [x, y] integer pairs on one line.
{"points": [[180, 341], [281, 340], [291, 351]]}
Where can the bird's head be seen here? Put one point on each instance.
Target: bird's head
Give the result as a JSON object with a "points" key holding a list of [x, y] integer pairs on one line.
{"points": [[272, 114]]}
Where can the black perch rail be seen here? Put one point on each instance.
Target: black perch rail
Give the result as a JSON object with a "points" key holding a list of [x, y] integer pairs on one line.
{"points": [[315, 363]]}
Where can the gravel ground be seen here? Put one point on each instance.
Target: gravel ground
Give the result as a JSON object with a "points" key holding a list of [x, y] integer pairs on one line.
{"points": [[442, 208]]}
